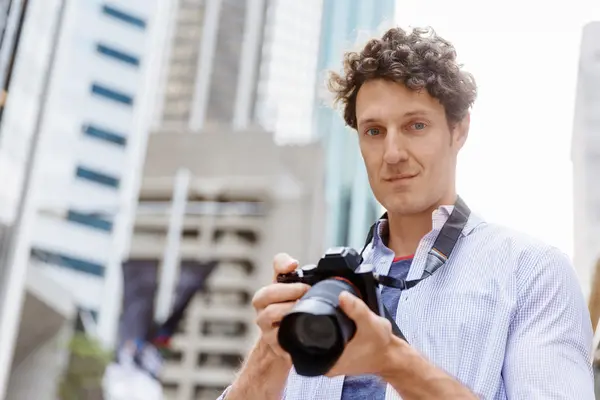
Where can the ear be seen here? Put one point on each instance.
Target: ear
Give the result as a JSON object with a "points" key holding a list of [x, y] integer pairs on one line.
{"points": [[461, 132]]}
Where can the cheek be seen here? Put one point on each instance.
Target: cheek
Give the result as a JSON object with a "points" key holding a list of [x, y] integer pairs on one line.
{"points": [[427, 154], [373, 168], [372, 172], [433, 160], [438, 164]]}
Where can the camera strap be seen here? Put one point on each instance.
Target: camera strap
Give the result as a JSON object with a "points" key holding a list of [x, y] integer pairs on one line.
{"points": [[437, 256]]}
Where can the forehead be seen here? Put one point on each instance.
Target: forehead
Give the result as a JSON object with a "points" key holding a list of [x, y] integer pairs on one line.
{"points": [[382, 99]]}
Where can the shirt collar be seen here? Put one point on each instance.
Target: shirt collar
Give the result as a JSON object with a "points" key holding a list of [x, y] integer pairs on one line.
{"points": [[438, 217]]}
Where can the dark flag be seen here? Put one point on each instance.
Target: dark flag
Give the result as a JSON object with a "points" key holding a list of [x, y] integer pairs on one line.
{"points": [[143, 341], [192, 277], [140, 280]]}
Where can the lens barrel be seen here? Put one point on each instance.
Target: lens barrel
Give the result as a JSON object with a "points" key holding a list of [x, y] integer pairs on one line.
{"points": [[316, 331]]}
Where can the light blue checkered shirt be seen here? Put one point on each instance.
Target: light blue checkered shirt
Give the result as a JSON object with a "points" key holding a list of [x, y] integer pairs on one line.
{"points": [[505, 316]]}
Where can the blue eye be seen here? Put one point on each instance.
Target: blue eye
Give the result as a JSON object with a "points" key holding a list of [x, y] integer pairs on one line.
{"points": [[419, 126], [372, 132]]}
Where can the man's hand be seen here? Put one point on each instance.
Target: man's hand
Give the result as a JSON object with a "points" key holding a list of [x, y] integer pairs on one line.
{"points": [[266, 369], [274, 301], [375, 350], [367, 351]]}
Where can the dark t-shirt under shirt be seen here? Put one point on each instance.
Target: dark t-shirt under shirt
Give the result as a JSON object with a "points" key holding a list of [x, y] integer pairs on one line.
{"points": [[367, 386]]}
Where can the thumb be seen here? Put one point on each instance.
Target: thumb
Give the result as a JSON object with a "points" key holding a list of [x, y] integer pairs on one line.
{"points": [[354, 307]]}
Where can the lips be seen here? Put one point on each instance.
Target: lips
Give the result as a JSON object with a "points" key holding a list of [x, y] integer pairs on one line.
{"points": [[401, 177]]}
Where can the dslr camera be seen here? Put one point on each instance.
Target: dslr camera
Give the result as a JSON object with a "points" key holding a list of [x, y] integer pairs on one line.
{"points": [[316, 331]]}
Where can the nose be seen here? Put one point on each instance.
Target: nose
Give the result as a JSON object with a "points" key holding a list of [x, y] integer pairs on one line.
{"points": [[395, 148]]}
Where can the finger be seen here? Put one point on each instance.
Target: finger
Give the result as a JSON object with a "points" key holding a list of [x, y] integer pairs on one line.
{"points": [[354, 308], [283, 263], [272, 315], [278, 293]]}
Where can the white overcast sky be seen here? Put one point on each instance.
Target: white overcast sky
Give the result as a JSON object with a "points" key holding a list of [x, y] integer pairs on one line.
{"points": [[516, 167]]}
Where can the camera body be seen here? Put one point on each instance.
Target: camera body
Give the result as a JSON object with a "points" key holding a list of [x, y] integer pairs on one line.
{"points": [[316, 331], [341, 263]]}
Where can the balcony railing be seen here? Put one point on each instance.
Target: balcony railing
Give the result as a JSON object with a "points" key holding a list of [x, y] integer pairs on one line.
{"points": [[205, 208]]}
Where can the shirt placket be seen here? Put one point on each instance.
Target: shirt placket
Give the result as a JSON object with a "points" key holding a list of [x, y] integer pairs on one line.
{"points": [[405, 307]]}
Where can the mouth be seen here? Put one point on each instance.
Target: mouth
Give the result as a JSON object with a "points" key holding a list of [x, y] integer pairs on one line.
{"points": [[400, 178]]}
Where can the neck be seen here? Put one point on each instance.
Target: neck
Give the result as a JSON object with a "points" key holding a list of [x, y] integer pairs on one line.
{"points": [[407, 230]]}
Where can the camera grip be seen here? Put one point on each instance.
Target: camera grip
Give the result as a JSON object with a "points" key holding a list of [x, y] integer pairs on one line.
{"points": [[291, 277]]}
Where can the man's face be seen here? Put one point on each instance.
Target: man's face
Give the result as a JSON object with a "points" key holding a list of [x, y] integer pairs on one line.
{"points": [[407, 145]]}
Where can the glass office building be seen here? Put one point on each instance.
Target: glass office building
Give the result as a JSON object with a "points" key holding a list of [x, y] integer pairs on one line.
{"points": [[351, 207]]}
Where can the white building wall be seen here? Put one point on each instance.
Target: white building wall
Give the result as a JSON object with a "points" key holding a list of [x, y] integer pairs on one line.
{"points": [[18, 124], [20, 112], [64, 146], [155, 47]]}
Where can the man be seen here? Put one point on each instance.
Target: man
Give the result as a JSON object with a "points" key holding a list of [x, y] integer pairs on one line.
{"points": [[503, 318]]}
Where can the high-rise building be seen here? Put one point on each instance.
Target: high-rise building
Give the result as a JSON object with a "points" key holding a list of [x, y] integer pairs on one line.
{"points": [[585, 156], [286, 89], [241, 208], [351, 208], [80, 86], [209, 72], [241, 62]]}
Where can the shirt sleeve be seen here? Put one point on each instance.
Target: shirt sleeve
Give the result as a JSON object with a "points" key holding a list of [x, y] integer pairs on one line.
{"points": [[548, 353]]}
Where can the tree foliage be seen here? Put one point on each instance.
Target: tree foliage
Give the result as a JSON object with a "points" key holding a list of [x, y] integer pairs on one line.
{"points": [[82, 379]]}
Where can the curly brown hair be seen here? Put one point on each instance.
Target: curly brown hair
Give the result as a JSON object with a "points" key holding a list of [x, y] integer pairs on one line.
{"points": [[419, 59]]}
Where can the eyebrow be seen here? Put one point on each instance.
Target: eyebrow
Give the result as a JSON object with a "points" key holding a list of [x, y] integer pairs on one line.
{"points": [[413, 113]]}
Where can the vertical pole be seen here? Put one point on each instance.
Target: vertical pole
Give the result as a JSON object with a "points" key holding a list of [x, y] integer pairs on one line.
{"points": [[248, 74], [208, 48], [170, 266]]}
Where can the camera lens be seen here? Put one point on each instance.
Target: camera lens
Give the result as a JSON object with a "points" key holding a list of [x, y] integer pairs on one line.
{"points": [[316, 332]]}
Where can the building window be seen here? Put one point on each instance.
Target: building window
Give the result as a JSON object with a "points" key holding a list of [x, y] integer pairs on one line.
{"points": [[123, 16], [117, 54], [103, 134], [97, 177], [90, 220], [61, 260], [112, 94]]}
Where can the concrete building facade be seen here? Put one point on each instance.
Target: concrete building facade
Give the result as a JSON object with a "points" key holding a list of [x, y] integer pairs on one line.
{"points": [[586, 158], [240, 208]]}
